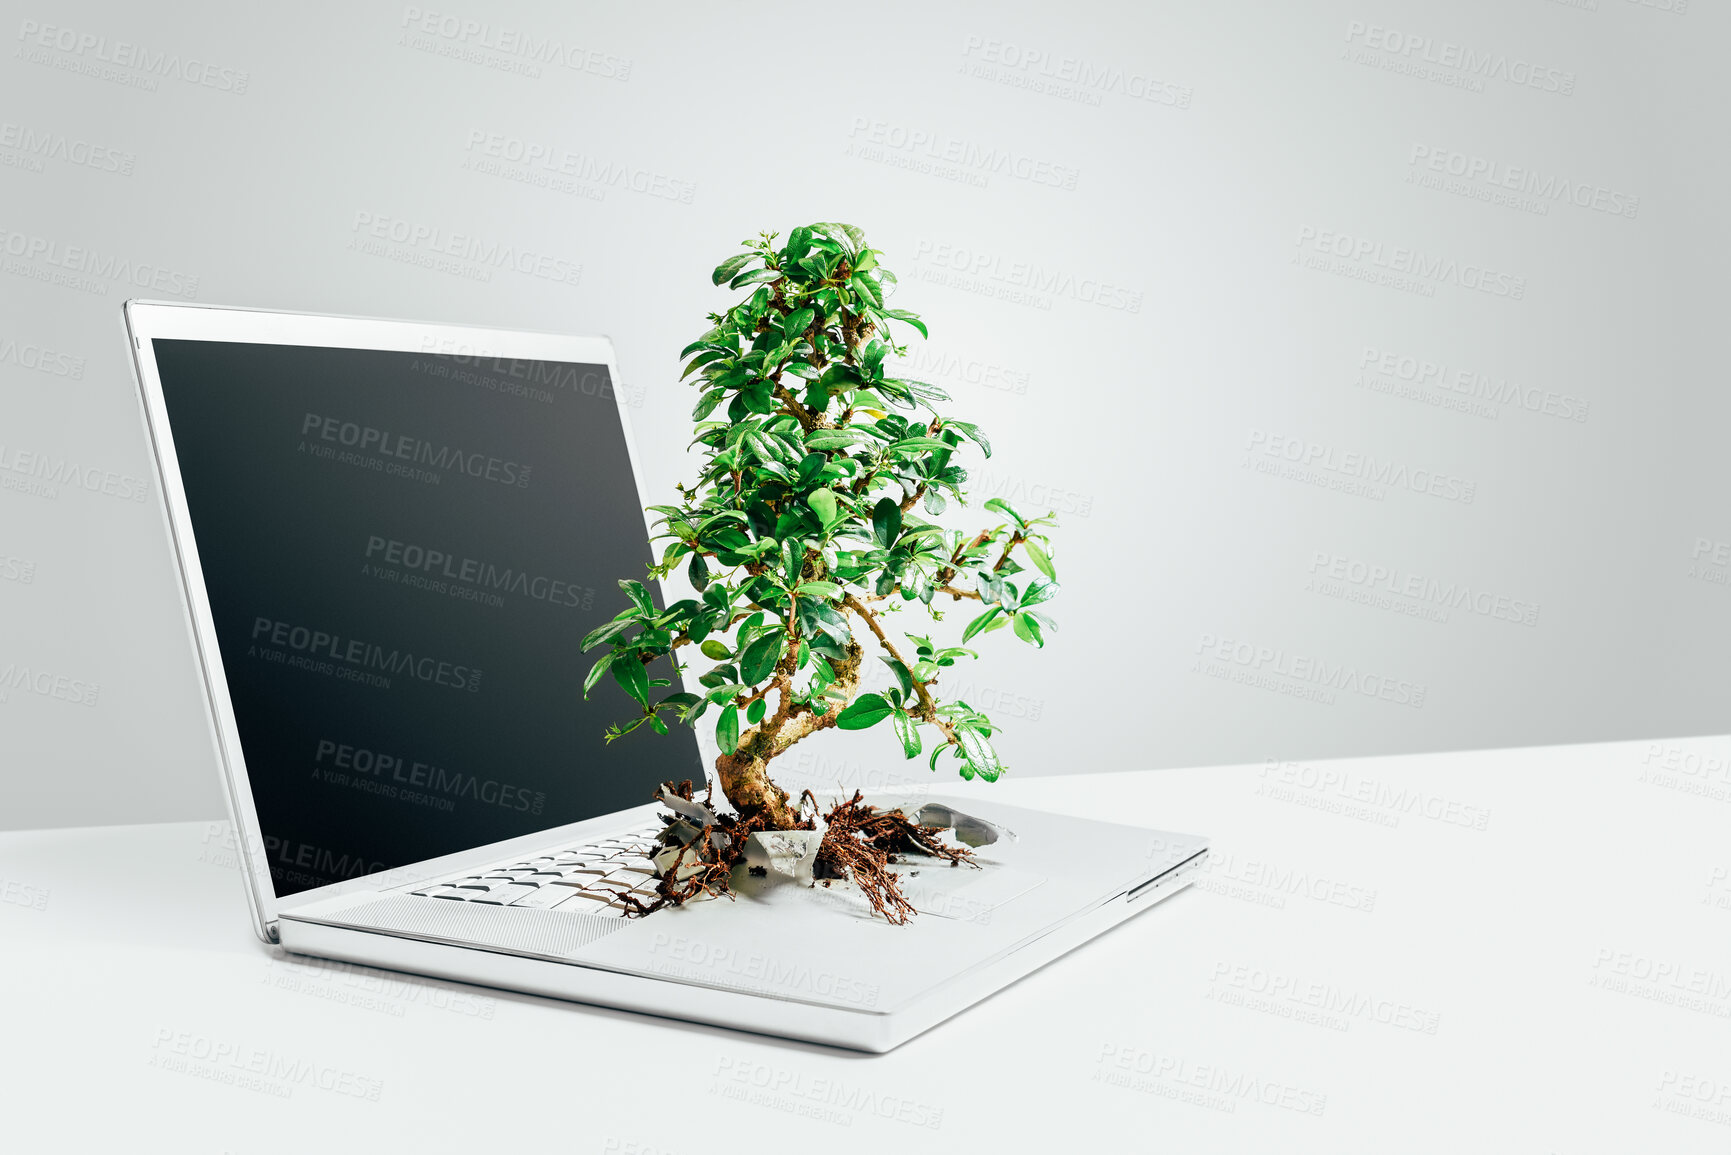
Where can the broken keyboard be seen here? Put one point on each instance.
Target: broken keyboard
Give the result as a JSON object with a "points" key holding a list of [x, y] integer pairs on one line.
{"points": [[585, 879]]}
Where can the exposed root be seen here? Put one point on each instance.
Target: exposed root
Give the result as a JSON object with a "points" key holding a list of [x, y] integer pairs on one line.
{"points": [[859, 843], [700, 859]]}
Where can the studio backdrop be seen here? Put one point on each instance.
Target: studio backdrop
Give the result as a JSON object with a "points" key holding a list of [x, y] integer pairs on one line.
{"points": [[1369, 353]]}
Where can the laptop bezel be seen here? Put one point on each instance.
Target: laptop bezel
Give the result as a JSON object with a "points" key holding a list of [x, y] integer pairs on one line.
{"points": [[148, 321]]}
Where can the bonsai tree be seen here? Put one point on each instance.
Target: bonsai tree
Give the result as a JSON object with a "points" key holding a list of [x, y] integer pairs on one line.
{"points": [[807, 534]]}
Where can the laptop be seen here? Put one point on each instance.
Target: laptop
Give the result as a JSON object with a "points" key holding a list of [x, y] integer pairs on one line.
{"points": [[392, 538]]}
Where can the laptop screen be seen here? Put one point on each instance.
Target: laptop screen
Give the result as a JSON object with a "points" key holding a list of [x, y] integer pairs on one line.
{"points": [[403, 553]]}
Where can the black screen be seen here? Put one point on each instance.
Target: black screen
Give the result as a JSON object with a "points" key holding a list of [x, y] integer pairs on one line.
{"points": [[403, 553]]}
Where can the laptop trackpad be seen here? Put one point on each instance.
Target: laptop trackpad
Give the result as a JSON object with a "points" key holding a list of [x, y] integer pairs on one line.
{"points": [[963, 893]]}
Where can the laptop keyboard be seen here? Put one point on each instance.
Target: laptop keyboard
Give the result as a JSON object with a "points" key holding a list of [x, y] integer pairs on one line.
{"points": [[584, 879]]}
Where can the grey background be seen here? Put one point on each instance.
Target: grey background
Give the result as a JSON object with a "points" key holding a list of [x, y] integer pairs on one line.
{"points": [[1206, 148]]}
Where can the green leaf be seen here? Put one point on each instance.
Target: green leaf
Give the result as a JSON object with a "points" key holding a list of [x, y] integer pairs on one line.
{"points": [[754, 712], [798, 321], [866, 711], [908, 318], [595, 671], [835, 230], [698, 572], [831, 439], [823, 503], [998, 505], [973, 432], [908, 733], [610, 630], [886, 521], [818, 589], [868, 289], [1042, 561], [707, 403], [1028, 629], [716, 651], [758, 659], [901, 672], [1038, 592], [727, 730], [921, 444], [980, 623], [727, 269], [632, 675], [756, 276], [981, 758], [635, 591]]}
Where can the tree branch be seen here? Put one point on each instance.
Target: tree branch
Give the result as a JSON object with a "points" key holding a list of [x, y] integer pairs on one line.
{"points": [[928, 708]]}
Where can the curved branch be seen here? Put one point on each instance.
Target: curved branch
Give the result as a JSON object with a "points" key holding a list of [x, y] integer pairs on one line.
{"points": [[928, 708]]}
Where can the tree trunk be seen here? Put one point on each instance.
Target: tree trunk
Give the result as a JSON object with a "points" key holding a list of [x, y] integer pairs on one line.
{"points": [[744, 774], [744, 778]]}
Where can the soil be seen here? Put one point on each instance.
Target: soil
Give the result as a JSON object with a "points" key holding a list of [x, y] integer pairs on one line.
{"points": [[859, 844]]}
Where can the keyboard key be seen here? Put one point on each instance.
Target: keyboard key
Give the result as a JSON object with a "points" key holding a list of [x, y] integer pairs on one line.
{"points": [[546, 897], [505, 895], [484, 885]]}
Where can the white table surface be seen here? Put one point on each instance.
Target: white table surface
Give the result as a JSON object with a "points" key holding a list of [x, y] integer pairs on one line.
{"points": [[1500, 951]]}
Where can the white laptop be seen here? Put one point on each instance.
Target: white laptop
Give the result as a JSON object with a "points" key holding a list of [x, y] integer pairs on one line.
{"points": [[393, 537]]}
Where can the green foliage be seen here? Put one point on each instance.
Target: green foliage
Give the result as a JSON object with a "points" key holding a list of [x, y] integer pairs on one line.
{"points": [[805, 522]]}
